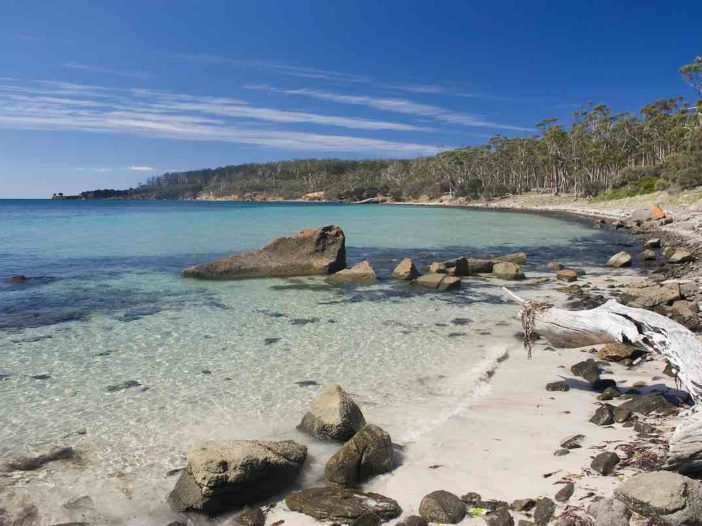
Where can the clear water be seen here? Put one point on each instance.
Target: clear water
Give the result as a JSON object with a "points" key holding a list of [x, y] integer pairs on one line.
{"points": [[222, 360]]}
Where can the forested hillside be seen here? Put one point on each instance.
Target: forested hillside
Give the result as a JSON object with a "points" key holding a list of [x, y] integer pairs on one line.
{"points": [[600, 151]]}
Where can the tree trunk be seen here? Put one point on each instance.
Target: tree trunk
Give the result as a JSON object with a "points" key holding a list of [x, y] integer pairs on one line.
{"points": [[614, 322]]}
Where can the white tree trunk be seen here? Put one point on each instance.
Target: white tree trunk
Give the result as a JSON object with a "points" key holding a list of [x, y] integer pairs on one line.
{"points": [[614, 322]]}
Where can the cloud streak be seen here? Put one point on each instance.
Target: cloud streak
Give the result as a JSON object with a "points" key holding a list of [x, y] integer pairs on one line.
{"points": [[398, 105], [59, 106], [109, 71], [140, 168]]}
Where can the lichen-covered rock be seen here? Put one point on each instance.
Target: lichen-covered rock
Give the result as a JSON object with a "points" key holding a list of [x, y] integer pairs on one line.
{"points": [[342, 505], [334, 416], [361, 272], [222, 476], [368, 453], [543, 511], [406, 270], [412, 520], [565, 493], [500, 517], [620, 259], [665, 497], [587, 369], [604, 416], [312, 251], [443, 507], [614, 352], [652, 296], [648, 403], [508, 271]]}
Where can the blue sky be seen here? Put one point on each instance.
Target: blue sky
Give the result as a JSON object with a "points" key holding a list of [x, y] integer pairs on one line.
{"points": [[105, 94]]}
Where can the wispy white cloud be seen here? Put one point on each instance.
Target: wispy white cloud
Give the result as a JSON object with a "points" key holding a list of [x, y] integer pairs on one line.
{"points": [[292, 70], [96, 109], [140, 168], [398, 105], [109, 71]]}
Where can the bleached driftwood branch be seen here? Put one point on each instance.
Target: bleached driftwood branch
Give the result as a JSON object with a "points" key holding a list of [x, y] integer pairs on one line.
{"points": [[614, 322]]}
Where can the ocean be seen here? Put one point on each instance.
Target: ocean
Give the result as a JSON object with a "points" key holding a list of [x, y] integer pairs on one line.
{"points": [[106, 308]]}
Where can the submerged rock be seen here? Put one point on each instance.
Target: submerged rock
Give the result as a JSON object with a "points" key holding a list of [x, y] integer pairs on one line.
{"points": [[342, 505], [567, 275], [620, 259], [508, 270], [312, 251], [360, 273], [17, 279], [334, 416], [406, 270], [442, 507], [222, 476], [368, 453], [32, 463]]}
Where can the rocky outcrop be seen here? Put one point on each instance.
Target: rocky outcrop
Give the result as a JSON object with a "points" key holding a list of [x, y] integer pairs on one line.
{"points": [[666, 498], [620, 259], [680, 256], [648, 297], [367, 454], [508, 271], [335, 504], [312, 251], [360, 273], [442, 507], [334, 416], [441, 282], [406, 270], [221, 476]]}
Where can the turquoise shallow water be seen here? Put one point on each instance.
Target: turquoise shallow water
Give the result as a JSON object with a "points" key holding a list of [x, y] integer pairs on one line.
{"points": [[222, 360]]}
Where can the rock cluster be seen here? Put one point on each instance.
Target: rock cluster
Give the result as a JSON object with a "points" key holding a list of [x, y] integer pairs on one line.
{"points": [[334, 416]]}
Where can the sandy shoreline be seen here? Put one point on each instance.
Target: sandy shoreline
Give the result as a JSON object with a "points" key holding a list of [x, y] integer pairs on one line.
{"points": [[500, 441]]}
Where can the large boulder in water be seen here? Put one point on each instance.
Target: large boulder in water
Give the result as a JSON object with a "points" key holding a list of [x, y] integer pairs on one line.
{"points": [[335, 504], [508, 270], [367, 454], [312, 251], [222, 476], [334, 416]]}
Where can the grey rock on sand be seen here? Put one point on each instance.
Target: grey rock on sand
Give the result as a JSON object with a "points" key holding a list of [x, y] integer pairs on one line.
{"points": [[443, 507], [587, 369], [406, 270], [334, 416], [342, 505], [604, 415], [441, 282], [620, 259], [368, 453], [309, 252], [666, 497], [648, 403], [412, 520], [500, 517], [543, 511], [361, 272], [508, 271], [222, 476], [605, 462], [573, 442], [565, 493], [609, 512]]}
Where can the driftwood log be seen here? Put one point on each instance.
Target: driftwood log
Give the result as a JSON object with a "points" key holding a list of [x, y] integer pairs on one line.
{"points": [[614, 322]]}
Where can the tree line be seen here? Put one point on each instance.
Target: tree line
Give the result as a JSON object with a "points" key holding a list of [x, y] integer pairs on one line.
{"points": [[601, 151]]}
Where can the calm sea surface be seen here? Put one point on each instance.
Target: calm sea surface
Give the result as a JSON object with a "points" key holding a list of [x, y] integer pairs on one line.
{"points": [[223, 360]]}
